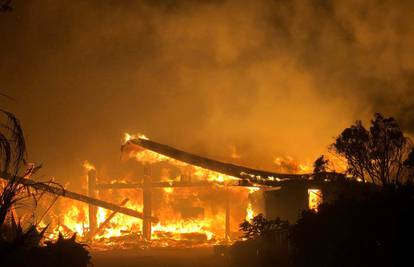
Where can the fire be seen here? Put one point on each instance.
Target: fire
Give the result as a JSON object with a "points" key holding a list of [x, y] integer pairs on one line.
{"points": [[119, 224], [249, 212], [199, 173], [150, 157], [204, 222], [168, 190], [289, 165], [75, 220], [207, 226], [315, 199], [88, 166], [128, 137], [180, 228], [202, 215], [249, 209]]}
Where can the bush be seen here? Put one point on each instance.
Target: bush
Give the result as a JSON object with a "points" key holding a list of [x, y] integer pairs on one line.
{"points": [[62, 253], [375, 229], [265, 244]]}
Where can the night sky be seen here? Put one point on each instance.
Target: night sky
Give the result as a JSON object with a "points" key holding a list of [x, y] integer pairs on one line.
{"points": [[267, 78]]}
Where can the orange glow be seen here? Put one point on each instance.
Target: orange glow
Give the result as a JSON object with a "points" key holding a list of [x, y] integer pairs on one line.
{"points": [[193, 214], [185, 213], [88, 166], [315, 199]]}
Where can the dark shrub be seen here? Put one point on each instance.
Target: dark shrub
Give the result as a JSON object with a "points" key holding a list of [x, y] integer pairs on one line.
{"points": [[375, 229]]}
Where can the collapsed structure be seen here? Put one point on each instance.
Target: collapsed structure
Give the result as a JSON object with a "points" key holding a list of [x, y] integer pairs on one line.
{"points": [[241, 177], [283, 194]]}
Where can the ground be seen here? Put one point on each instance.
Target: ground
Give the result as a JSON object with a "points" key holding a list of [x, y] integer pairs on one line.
{"points": [[189, 257]]}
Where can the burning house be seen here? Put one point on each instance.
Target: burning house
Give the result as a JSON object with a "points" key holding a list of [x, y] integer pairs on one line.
{"points": [[178, 199]]}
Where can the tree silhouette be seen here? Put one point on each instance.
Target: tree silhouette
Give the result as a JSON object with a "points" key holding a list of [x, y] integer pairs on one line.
{"points": [[320, 165], [377, 154], [5, 5]]}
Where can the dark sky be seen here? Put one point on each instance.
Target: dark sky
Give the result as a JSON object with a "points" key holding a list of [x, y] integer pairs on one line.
{"points": [[270, 78]]}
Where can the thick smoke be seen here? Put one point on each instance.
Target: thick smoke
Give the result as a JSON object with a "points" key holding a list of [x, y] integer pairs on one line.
{"points": [[264, 78]]}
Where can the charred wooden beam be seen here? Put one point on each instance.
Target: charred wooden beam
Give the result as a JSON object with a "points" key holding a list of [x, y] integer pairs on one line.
{"points": [[253, 175], [147, 205], [92, 193], [227, 228], [154, 185], [105, 223], [75, 196]]}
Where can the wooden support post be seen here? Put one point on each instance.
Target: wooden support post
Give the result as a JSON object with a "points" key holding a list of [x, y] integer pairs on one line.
{"points": [[227, 233], [146, 194], [92, 194], [106, 222]]}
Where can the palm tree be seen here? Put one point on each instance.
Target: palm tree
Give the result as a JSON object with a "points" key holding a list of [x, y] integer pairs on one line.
{"points": [[12, 164]]}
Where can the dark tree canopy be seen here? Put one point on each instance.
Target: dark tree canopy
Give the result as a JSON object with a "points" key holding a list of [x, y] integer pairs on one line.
{"points": [[5, 5], [320, 165], [377, 154]]}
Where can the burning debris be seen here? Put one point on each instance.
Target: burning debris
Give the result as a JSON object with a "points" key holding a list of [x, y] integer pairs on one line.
{"points": [[181, 199]]}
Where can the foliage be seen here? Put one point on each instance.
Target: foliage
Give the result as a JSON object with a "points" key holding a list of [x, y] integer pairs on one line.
{"points": [[373, 229], [377, 154], [320, 165], [67, 252], [13, 166], [260, 227], [5, 5], [18, 246], [265, 244], [13, 157], [13, 235], [64, 252]]}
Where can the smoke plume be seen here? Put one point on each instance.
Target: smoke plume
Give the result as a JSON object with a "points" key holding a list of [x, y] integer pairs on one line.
{"points": [[262, 78]]}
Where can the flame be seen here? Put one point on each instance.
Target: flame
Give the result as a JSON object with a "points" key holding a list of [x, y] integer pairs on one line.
{"points": [[168, 190], [249, 209], [182, 227], [185, 213], [252, 189], [315, 199], [199, 173], [128, 137], [289, 165], [119, 224], [88, 166], [75, 220], [249, 212]]}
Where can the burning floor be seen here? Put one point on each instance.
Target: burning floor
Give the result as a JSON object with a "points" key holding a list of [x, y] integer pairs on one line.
{"points": [[188, 217]]}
